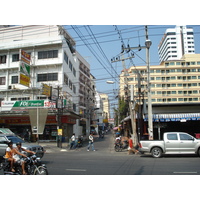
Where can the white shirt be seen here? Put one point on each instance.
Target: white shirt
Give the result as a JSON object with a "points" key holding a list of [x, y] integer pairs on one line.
{"points": [[73, 138], [91, 138]]}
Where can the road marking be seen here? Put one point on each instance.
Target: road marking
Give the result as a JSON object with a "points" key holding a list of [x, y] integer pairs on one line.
{"points": [[77, 170], [185, 172]]}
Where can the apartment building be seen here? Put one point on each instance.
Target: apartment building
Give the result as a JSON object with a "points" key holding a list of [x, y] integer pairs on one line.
{"points": [[106, 105], [175, 43], [174, 89], [54, 62]]}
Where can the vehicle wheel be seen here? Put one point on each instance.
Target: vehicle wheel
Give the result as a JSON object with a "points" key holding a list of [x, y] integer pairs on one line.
{"points": [[40, 171], [117, 148], [156, 152], [198, 153]]}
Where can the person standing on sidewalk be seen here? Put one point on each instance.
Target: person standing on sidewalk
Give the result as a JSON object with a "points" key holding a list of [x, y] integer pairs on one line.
{"points": [[73, 138], [91, 142]]}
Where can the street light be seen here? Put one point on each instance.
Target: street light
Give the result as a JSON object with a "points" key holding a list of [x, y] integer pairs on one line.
{"points": [[110, 82]]}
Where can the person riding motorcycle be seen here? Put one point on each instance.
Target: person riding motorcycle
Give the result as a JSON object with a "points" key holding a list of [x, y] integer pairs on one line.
{"points": [[18, 157], [9, 155]]}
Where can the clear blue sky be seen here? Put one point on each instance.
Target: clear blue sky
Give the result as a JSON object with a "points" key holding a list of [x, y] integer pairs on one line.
{"points": [[104, 43]]}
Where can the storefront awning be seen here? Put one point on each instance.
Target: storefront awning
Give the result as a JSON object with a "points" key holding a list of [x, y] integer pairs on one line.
{"points": [[174, 117], [182, 117]]}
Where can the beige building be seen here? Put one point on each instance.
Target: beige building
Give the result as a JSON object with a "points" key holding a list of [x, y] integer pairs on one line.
{"points": [[106, 105], [175, 92], [176, 81]]}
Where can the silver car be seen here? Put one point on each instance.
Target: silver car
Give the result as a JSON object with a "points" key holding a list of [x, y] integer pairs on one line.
{"points": [[5, 137]]}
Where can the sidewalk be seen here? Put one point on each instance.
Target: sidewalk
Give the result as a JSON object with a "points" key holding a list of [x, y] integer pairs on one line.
{"points": [[53, 146]]}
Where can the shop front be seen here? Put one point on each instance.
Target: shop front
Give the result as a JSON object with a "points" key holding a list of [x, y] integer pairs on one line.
{"points": [[20, 124]]}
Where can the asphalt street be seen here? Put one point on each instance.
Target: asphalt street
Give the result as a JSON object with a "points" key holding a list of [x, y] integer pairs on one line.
{"points": [[105, 161]]}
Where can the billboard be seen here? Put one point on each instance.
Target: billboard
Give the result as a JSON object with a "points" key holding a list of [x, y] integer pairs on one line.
{"points": [[24, 68]]}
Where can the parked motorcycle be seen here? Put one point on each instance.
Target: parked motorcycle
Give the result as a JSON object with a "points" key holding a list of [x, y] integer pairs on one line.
{"points": [[80, 142], [101, 134], [33, 166], [119, 146]]}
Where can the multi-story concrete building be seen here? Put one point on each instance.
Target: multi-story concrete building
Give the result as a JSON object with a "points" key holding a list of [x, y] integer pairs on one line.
{"points": [[175, 43], [174, 90], [106, 105], [54, 62]]}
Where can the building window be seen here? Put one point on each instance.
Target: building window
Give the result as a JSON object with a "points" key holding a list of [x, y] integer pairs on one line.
{"points": [[14, 79], [2, 80], [48, 54], [15, 57], [70, 84], [66, 79], [70, 65], [2, 59], [66, 58], [74, 89], [74, 72], [47, 77]]}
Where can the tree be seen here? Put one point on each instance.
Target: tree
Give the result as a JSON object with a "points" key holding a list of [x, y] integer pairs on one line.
{"points": [[122, 110]]}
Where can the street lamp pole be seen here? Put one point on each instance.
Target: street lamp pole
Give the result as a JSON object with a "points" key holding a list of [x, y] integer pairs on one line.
{"points": [[150, 120]]}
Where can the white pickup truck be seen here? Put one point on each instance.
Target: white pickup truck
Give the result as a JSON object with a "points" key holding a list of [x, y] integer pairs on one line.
{"points": [[172, 143]]}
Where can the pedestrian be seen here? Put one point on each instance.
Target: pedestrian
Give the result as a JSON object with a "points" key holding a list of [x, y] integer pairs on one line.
{"points": [[91, 142], [131, 147], [73, 141]]}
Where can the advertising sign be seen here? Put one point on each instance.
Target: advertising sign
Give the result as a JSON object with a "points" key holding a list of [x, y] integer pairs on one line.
{"points": [[24, 68], [46, 90], [24, 80]]}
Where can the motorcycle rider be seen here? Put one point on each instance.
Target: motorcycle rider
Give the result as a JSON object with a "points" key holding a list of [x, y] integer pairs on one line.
{"points": [[9, 155], [18, 157]]}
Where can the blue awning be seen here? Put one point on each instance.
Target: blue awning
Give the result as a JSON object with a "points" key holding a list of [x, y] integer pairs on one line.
{"points": [[174, 117]]}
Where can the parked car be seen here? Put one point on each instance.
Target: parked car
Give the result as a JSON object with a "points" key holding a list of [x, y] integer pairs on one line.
{"points": [[7, 135], [173, 143]]}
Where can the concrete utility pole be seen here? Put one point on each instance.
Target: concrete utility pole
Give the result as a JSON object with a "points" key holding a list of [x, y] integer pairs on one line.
{"points": [[147, 47], [130, 98], [150, 120], [130, 103]]}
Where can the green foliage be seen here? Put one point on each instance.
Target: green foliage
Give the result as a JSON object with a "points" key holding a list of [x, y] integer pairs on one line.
{"points": [[122, 110]]}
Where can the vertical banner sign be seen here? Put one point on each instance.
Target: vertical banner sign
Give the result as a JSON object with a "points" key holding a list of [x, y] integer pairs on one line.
{"points": [[24, 68]]}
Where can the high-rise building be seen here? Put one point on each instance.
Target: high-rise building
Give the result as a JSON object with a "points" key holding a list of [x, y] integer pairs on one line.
{"points": [[175, 43]]}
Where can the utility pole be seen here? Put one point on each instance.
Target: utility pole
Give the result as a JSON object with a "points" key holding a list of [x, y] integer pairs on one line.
{"points": [[150, 121], [147, 47], [130, 100], [131, 104]]}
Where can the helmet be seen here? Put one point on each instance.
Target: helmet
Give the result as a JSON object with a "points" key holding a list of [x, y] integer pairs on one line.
{"points": [[9, 142], [18, 143]]}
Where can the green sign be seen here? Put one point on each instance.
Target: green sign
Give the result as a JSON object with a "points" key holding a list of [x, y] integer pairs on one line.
{"points": [[25, 104], [25, 68]]}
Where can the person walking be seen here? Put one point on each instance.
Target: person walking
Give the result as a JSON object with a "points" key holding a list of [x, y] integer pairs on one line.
{"points": [[91, 142]]}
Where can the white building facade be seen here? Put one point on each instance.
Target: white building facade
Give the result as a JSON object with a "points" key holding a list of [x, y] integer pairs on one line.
{"points": [[175, 43], [55, 62]]}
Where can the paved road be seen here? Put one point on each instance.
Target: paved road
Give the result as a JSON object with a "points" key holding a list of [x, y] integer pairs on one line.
{"points": [[105, 161]]}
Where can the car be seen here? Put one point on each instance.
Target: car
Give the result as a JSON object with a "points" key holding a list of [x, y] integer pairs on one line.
{"points": [[7, 135]]}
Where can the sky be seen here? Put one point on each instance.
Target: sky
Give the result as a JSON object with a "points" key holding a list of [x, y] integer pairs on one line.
{"points": [[98, 44]]}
